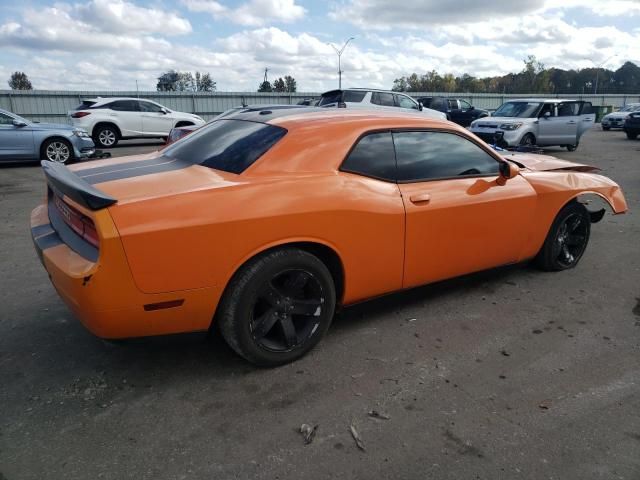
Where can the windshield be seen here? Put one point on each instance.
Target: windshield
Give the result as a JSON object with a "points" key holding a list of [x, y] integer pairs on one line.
{"points": [[630, 108], [518, 109], [228, 145]]}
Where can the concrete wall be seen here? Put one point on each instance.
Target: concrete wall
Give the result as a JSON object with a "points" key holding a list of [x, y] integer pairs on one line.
{"points": [[52, 106]]}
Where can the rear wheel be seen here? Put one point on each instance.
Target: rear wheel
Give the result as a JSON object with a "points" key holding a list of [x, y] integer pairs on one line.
{"points": [[567, 239], [277, 307], [57, 150], [106, 136], [572, 148], [528, 140]]}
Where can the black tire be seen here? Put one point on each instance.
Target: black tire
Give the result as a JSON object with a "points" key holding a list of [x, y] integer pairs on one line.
{"points": [[632, 135], [606, 129], [567, 239], [106, 136], [572, 148], [528, 140], [257, 314], [57, 150]]}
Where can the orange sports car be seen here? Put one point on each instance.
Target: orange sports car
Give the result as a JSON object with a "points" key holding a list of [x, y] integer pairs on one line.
{"points": [[263, 222]]}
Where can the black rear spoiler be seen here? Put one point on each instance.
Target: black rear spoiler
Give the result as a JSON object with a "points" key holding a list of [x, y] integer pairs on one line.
{"points": [[64, 181]]}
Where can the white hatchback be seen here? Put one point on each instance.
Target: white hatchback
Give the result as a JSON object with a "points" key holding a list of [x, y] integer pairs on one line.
{"points": [[109, 120]]}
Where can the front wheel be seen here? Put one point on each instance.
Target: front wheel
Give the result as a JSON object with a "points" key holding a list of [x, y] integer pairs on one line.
{"points": [[528, 140], [572, 148], [632, 135], [606, 129], [567, 239], [57, 150], [277, 307]]}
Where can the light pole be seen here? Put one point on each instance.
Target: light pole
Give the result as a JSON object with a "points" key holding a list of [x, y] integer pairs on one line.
{"points": [[339, 52], [598, 67]]}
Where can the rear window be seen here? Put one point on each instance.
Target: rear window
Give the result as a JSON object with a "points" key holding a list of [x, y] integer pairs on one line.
{"points": [[327, 98], [228, 145], [85, 105]]}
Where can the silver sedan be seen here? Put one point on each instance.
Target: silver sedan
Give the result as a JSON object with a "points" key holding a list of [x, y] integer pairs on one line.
{"points": [[22, 140]]}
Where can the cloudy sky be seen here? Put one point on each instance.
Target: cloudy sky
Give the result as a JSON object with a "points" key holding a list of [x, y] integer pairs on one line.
{"points": [[109, 44]]}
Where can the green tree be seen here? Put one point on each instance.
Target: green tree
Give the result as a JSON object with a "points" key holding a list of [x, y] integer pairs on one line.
{"points": [[20, 81], [265, 86], [279, 85], [291, 84], [204, 83]]}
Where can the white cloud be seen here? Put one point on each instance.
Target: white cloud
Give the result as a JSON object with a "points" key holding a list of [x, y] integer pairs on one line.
{"points": [[254, 13]]}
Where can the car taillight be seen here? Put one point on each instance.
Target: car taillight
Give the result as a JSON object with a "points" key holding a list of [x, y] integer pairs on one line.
{"points": [[79, 223], [80, 114]]}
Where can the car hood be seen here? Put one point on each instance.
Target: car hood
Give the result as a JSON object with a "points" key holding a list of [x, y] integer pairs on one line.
{"points": [[148, 176], [546, 163], [617, 115], [506, 120]]}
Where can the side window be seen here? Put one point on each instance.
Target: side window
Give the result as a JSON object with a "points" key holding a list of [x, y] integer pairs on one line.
{"points": [[373, 156], [453, 104], [354, 96], [547, 107], [406, 102], [464, 105], [5, 119], [124, 106], [568, 109], [438, 103], [432, 155], [149, 107], [383, 98], [586, 108]]}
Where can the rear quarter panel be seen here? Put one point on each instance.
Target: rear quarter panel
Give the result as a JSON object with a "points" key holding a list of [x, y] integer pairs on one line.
{"points": [[201, 238]]}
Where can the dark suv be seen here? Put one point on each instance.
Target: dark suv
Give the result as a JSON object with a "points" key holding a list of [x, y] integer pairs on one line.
{"points": [[457, 110], [632, 125]]}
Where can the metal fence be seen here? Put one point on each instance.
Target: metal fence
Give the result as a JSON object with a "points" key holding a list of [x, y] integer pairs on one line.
{"points": [[52, 106]]}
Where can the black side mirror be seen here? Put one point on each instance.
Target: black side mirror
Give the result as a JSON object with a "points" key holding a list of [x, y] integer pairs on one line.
{"points": [[420, 107], [472, 108]]}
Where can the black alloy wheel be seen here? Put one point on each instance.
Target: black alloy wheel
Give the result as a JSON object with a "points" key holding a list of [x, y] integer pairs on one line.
{"points": [[567, 239], [277, 306]]}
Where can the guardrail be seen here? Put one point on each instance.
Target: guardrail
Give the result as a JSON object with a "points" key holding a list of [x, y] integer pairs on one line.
{"points": [[52, 106]]}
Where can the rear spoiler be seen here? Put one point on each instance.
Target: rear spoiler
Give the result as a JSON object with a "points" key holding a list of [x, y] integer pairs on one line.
{"points": [[64, 181]]}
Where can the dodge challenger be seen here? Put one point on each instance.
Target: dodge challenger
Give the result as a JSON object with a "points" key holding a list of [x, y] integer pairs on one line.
{"points": [[263, 222]]}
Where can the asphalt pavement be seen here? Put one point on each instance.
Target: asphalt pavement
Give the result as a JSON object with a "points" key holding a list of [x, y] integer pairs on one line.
{"points": [[507, 374]]}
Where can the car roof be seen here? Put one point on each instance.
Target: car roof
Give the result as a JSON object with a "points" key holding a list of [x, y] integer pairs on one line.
{"points": [[112, 99], [542, 100], [362, 89]]}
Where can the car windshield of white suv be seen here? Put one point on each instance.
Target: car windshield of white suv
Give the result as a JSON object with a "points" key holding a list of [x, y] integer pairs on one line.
{"points": [[518, 109]]}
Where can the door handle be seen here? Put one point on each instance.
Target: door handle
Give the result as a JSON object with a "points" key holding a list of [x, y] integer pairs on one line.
{"points": [[571, 123], [420, 198]]}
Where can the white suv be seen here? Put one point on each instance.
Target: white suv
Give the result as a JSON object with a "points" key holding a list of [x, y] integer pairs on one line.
{"points": [[536, 121], [111, 119], [367, 98]]}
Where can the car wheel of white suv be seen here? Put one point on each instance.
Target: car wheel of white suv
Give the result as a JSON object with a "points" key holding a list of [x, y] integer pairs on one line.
{"points": [[105, 136]]}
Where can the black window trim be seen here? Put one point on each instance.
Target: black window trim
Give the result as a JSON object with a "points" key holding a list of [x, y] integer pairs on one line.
{"points": [[499, 160]]}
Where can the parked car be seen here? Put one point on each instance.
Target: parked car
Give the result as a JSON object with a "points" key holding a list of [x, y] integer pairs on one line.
{"points": [[23, 140], [109, 120], [344, 206], [309, 102], [537, 121], [632, 125], [457, 110], [617, 119], [366, 98]]}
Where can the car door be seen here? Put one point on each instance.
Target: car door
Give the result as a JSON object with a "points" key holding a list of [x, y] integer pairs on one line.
{"points": [[128, 117], [569, 118], [156, 121], [16, 143], [453, 109], [458, 218], [403, 101], [549, 131], [465, 114], [586, 119]]}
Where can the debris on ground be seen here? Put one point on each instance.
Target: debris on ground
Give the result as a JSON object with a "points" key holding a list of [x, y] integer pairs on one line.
{"points": [[308, 432], [545, 404], [377, 414], [356, 438], [505, 353]]}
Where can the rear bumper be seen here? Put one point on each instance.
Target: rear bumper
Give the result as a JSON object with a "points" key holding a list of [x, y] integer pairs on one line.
{"points": [[103, 295]]}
